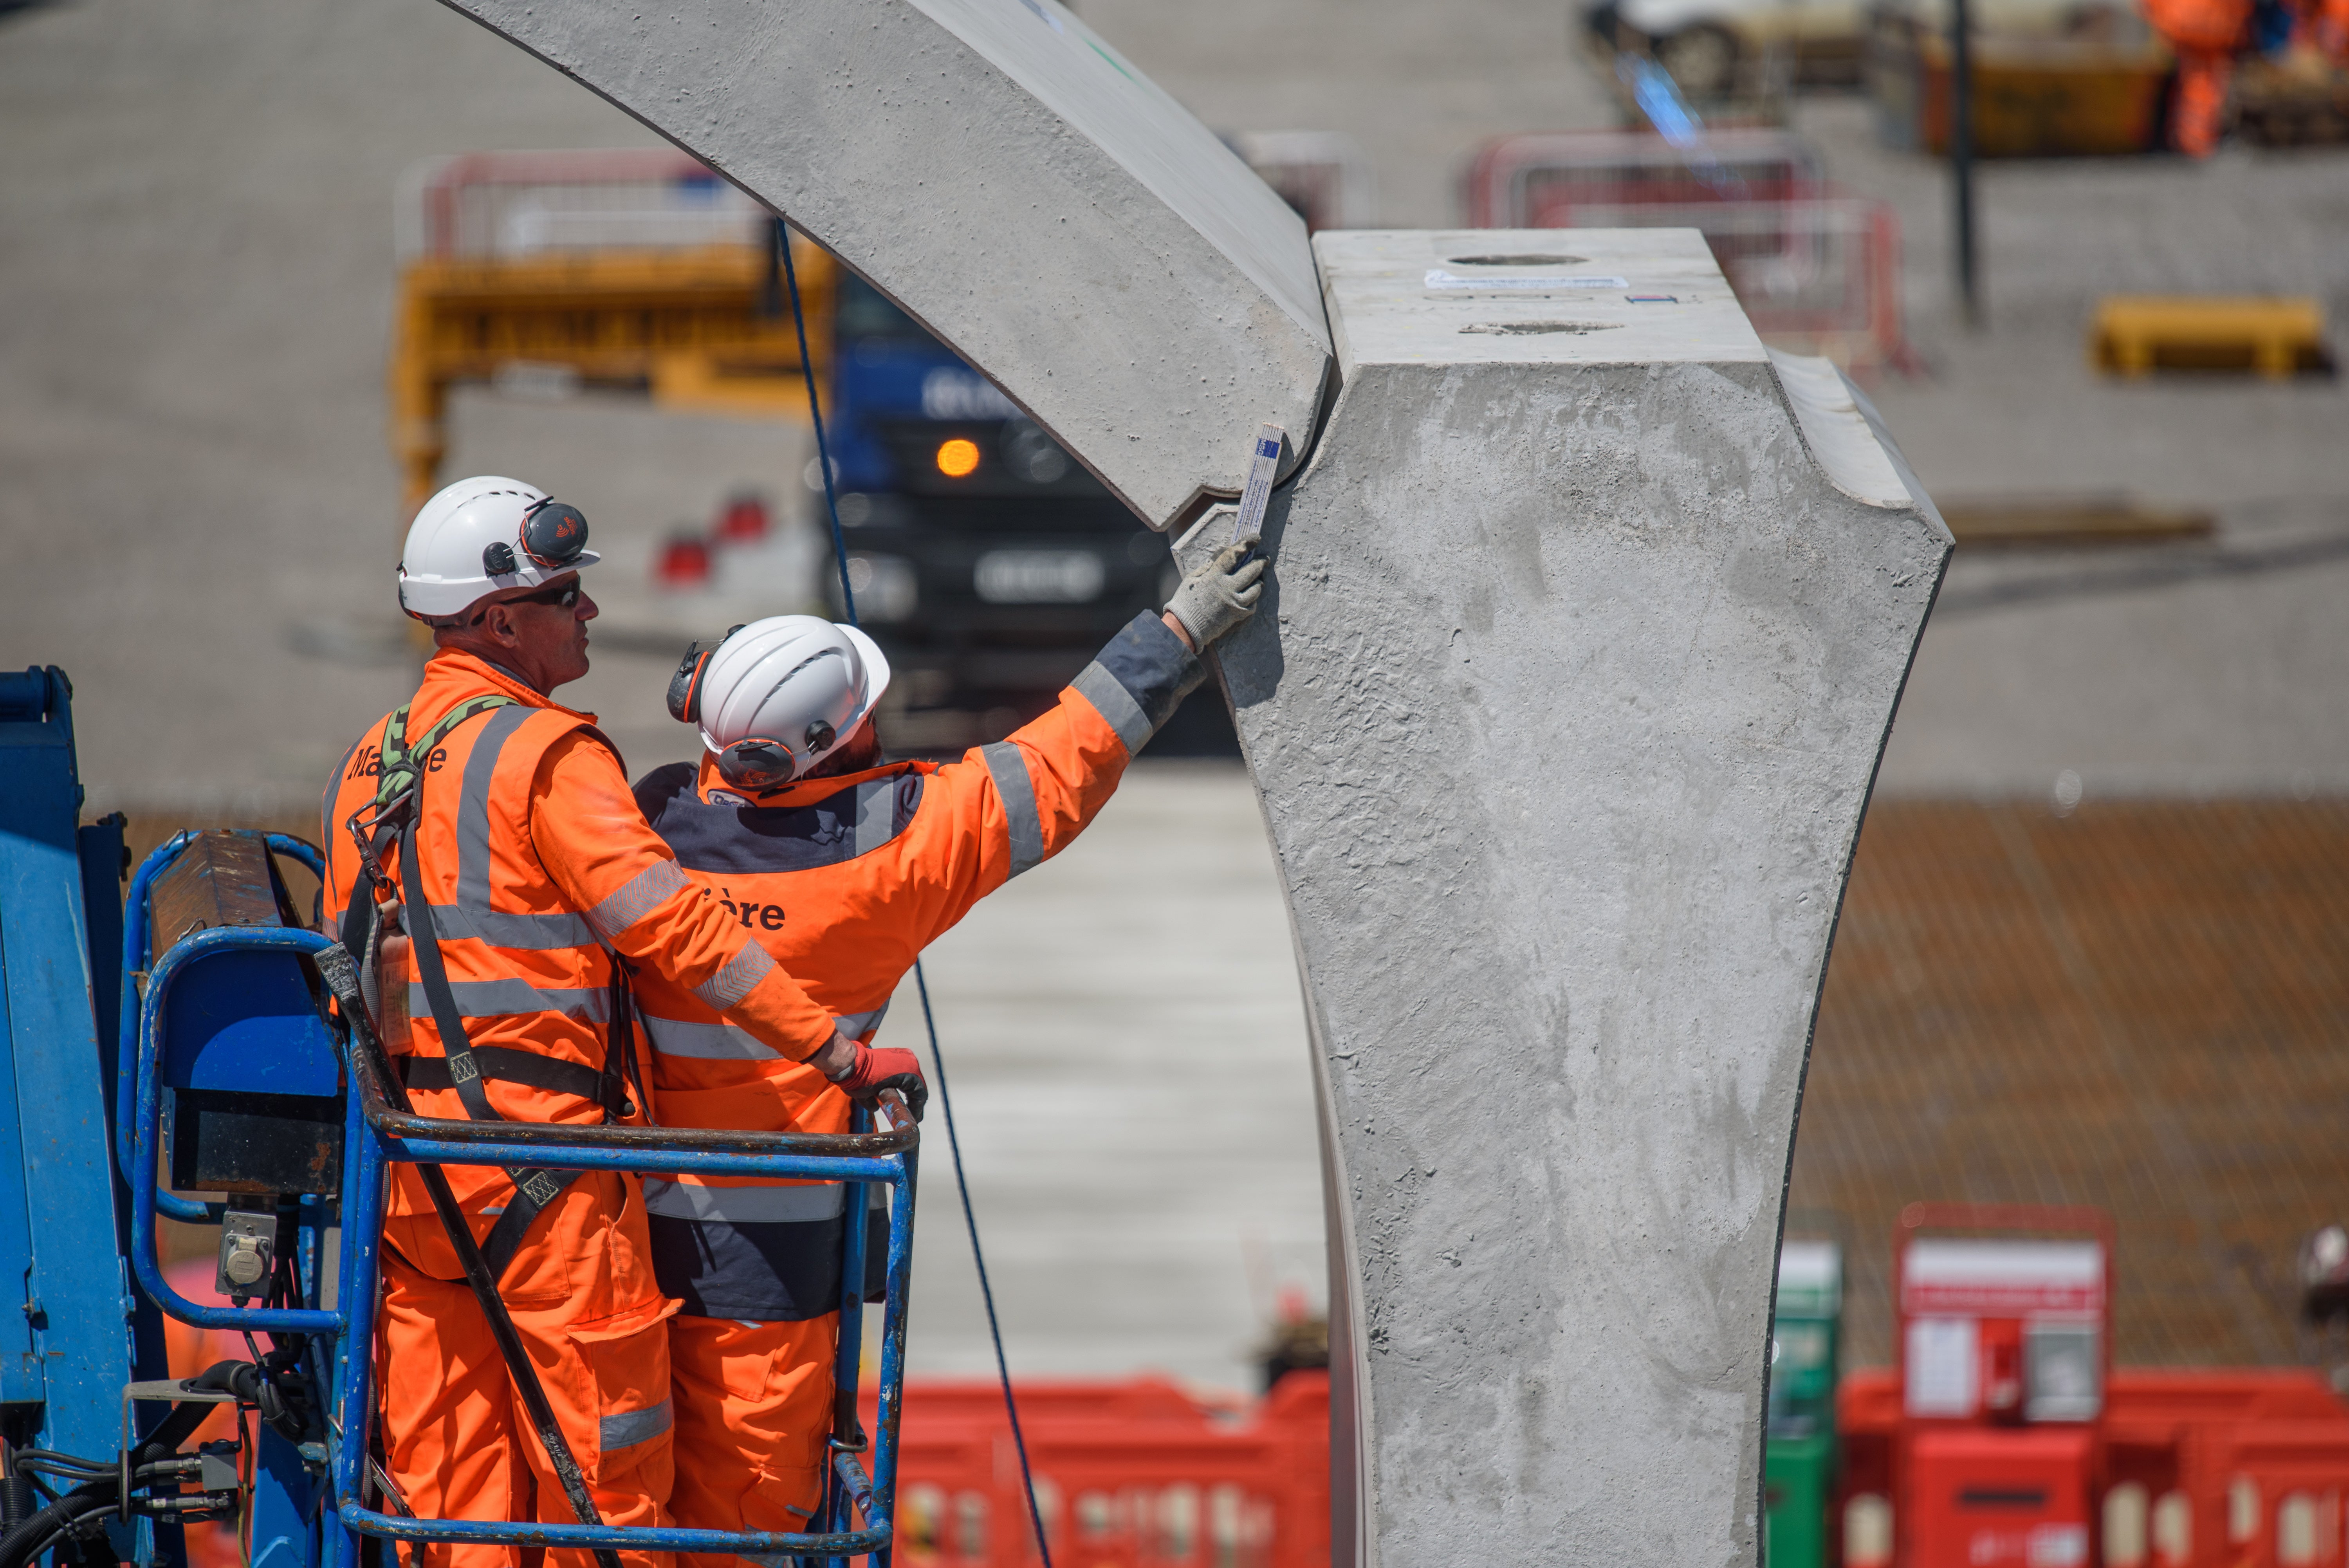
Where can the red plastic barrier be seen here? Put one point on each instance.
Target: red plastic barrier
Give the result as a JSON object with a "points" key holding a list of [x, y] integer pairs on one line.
{"points": [[2196, 1468], [1132, 1474]]}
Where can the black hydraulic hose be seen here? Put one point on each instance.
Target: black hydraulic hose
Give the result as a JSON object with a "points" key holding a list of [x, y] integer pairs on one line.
{"points": [[32, 1537], [27, 1537], [15, 1491]]}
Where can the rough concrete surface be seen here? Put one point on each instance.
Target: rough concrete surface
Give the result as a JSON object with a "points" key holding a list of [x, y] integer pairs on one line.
{"points": [[1041, 206], [1563, 708]]}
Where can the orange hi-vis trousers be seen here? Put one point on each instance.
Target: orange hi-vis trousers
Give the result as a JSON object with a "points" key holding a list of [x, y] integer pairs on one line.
{"points": [[460, 1441], [753, 1409]]}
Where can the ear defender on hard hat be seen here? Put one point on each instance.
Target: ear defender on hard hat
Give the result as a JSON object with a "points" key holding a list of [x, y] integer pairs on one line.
{"points": [[759, 762], [553, 536], [754, 762], [685, 686]]}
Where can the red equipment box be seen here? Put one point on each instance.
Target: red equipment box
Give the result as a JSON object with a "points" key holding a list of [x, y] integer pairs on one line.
{"points": [[1984, 1499]]}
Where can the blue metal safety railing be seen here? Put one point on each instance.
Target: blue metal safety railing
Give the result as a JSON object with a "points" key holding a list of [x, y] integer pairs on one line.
{"points": [[383, 1137], [376, 1136]]}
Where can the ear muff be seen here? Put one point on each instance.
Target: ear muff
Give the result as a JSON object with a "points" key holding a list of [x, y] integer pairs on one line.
{"points": [[756, 765], [685, 686], [554, 534]]}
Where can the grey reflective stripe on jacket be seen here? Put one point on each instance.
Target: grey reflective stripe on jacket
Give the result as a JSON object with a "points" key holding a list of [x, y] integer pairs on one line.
{"points": [[1008, 766], [800, 1205], [627, 1429], [730, 1043], [1109, 696], [1139, 679], [513, 998], [876, 813], [647, 891], [471, 915], [738, 980]]}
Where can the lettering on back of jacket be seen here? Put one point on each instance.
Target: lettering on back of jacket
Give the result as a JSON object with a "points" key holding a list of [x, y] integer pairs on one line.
{"points": [[366, 763], [767, 916]]}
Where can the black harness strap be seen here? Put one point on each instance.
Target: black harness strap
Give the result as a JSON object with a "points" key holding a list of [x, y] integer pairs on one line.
{"points": [[528, 1068], [533, 1189]]}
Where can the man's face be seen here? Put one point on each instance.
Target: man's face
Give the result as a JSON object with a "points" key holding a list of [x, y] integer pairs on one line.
{"points": [[539, 638]]}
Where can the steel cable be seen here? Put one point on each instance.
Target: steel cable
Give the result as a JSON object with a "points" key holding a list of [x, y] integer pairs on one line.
{"points": [[946, 1102]]}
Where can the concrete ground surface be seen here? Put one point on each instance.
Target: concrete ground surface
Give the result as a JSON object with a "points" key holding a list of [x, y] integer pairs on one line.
{"points": [[199, 518]]}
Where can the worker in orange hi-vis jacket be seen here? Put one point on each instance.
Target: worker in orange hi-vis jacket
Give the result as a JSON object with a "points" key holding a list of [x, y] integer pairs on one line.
{"points": [[843, 869], [487, 860], [2207, 35]]}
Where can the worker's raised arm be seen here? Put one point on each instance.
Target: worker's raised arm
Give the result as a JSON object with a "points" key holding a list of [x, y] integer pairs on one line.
{"points": [[596, 845], [1014, 804]]}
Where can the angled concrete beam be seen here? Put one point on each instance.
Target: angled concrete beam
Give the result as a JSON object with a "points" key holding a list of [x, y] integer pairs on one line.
{"points": [[1000, 172], [1588, 622]]}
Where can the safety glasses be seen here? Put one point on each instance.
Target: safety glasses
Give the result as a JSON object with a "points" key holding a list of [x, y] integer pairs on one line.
{"points": [[566, 595]]}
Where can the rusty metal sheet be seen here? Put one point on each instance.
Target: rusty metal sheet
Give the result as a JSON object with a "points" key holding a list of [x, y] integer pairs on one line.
{"points": [[223, 878]]}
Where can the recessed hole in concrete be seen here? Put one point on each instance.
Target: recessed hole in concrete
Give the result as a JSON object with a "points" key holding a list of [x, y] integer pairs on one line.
{"points": [[1517, 261], [1525, 328]]}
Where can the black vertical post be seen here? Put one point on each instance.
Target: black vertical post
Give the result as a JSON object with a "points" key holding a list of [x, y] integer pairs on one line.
{"points": [[771, 297], [1961, 158]]}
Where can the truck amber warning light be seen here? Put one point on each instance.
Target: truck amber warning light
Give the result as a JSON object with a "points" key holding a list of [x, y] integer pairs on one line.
{"points": [[958, 458]]}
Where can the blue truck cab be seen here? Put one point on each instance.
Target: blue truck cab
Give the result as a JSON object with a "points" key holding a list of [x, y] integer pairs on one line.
{"points": [[988, 562]]}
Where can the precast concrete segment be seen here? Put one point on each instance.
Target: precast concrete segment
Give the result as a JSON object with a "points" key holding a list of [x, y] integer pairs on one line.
{"points": [[1005, 176], [1586, 626]]}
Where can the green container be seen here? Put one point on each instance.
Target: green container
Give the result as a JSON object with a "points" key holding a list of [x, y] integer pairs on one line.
{"points": [[1798, 1455], [1799, 1478]]}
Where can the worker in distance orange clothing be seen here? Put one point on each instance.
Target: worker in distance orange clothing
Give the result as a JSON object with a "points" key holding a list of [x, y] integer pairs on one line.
{"points": [[843, 869], [487, 862], [2210, 37]]}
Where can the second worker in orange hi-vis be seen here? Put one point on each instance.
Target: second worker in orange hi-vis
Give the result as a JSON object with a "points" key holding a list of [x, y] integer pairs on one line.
{"points": [[506, 872], [843, 869]]}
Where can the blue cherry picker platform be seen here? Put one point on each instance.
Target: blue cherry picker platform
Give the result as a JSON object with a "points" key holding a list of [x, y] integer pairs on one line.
{"points": [[231, 1054]]}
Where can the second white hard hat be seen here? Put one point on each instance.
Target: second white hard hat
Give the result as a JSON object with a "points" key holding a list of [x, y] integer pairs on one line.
{"points": [[777, 695], [484, 535]]}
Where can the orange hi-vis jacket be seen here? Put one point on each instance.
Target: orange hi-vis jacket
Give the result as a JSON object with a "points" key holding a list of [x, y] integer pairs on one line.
{"points": [[538, 867], [844, 881]]}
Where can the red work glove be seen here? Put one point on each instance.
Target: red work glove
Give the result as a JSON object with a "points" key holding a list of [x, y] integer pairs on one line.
{"points": [[886, 1068]]}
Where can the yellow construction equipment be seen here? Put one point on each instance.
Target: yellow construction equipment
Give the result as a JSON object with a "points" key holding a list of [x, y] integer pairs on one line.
{"points": [[2135, 335], [633, 269]]}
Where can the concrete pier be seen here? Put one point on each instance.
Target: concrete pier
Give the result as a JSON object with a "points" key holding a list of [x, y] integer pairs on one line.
{"points": [[1589, 620]]}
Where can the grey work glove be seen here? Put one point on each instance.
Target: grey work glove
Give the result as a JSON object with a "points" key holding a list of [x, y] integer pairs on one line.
{"points": [[1220, 594]]}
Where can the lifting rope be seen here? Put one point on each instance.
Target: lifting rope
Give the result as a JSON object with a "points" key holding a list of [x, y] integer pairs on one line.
{"points": [[783, 244]]}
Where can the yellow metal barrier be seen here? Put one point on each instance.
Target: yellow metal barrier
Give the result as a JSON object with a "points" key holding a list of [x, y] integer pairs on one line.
{"points": [[701, 330], [2134, 335]]}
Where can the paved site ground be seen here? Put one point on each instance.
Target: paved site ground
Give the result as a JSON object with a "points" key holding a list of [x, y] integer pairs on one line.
{"points": [[199, 517], [2138, 1005]]}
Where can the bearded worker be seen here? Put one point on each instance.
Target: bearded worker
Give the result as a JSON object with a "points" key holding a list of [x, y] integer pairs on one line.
{"points": [[485, 857], [843, 869]]}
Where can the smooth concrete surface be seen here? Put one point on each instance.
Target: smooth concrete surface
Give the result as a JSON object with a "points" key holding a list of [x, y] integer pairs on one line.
{"points": [[1563, 708], [995, 168]]}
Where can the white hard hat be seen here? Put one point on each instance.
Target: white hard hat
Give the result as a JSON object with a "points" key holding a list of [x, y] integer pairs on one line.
{"points": [[482, 535], [778, 694]]}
